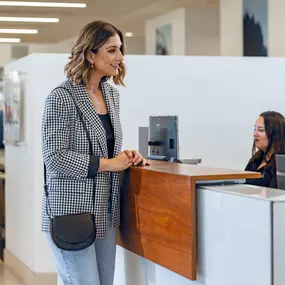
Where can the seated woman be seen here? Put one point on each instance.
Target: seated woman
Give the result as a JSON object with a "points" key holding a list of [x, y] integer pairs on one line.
{"points": [[269, 139]]}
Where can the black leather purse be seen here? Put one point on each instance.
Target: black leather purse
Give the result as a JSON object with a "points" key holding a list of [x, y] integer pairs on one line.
{"points": [[75, 231]]}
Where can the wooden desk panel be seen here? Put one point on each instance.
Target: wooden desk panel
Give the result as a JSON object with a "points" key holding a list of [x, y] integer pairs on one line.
{"points": [[158, 212]]}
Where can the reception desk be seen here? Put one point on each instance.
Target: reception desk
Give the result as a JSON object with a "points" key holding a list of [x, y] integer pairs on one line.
{"points": [[159, 212]]}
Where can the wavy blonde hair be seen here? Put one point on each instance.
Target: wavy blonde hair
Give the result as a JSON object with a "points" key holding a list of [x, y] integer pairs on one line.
{"points": [[91, 38]]}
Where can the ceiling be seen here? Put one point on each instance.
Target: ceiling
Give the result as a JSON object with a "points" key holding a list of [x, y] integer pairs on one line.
{"points": [[128, 15]]}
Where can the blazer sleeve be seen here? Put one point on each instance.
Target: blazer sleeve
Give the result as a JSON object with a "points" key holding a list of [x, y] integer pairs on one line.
{"points": [[55, 143]]}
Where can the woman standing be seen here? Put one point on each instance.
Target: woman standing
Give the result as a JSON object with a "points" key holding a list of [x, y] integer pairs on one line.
{"points": [[81, 143]]}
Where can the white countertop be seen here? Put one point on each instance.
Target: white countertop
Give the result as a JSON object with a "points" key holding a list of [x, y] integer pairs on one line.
{"points": [[250, 191]]}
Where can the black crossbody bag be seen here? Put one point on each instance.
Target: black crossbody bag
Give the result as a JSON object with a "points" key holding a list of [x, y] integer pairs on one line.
{"points": [[75, 231]]}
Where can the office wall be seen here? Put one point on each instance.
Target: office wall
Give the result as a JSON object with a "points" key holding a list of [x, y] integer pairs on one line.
{"points": [[136, 45], [5, 54], [203, 30], [276, 22], [24, 168], [177, 19], [61, 47], [195, 30], [19, 190], [231, 28], [217, 29]]}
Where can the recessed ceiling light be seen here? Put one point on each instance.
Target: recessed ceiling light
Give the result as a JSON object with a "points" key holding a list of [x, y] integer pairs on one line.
{"points": [[28, 19], [129, 35], [18, 31], [42, 4], [9, 40]]}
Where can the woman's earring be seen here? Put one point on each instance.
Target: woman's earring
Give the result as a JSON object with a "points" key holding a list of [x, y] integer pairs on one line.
{"points": [[92, 65]]}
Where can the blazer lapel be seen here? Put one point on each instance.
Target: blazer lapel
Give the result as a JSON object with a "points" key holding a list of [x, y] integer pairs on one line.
{"points": [[107, 93], [88, 111]]}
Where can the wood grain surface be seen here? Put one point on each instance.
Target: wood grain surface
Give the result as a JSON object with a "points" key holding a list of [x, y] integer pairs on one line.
{"points": [[158, 212]]}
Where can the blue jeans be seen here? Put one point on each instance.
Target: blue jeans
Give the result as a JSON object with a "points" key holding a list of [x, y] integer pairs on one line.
{"points": [[94, 265]]}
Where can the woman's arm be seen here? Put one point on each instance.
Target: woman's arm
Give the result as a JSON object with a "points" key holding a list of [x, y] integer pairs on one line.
{"points": [[55, 143]]}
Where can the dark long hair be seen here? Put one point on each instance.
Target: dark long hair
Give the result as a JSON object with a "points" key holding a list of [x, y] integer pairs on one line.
{"points": [[274, 124]]}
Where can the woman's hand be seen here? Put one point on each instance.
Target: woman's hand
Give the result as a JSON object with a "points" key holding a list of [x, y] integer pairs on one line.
{"points": [[123, 161], [118, 163], [136, 157]]}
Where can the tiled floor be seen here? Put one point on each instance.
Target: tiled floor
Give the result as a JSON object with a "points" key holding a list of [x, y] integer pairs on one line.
{"points": [[6, 278]]}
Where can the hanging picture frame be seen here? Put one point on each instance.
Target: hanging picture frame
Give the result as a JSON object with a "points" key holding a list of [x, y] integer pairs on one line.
{"points": [[13, 124], [163, 40], [255, 27]]}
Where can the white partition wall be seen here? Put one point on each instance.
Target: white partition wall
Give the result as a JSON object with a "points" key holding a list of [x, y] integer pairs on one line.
{"points": [[216, 99], [234, 239], [24, 169]]}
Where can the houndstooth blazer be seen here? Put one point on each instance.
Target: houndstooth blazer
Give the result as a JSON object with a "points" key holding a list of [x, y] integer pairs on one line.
{"points": [[66, 155]]}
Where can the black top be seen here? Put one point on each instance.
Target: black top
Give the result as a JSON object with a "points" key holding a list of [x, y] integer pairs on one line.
{"points": [[107, 124], [268, 173], [94, 161]]}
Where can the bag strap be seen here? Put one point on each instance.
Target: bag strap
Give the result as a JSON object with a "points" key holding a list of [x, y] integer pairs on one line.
{"points": [[48, 208]]}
